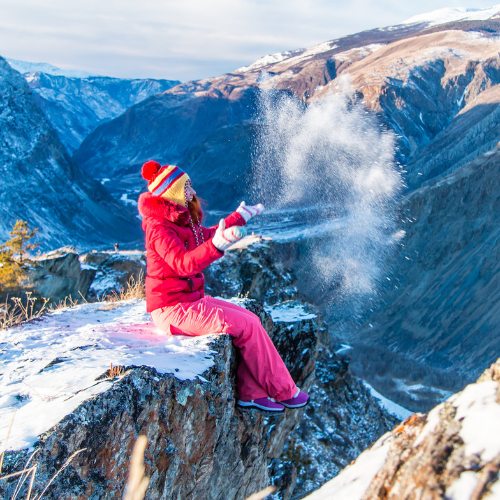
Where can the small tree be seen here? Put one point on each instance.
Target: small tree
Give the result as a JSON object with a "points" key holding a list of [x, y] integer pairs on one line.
{"points": [[20, 239], [10, 270], [12, 253]]}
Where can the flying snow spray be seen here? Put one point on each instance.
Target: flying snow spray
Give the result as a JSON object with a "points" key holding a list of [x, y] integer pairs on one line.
{"points": [[330, 162]]}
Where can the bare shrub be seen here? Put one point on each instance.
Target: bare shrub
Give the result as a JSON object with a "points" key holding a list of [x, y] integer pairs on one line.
{"points": [[15, 310]]}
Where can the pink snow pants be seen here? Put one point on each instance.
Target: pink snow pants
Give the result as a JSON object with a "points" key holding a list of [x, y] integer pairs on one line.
{"points": [[261, 371]]}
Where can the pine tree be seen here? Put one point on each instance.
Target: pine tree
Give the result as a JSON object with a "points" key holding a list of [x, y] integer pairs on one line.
{"points": [[12, 253], [20, 239]]}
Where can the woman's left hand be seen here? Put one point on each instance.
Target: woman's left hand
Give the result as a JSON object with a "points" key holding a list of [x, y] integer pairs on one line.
{"points": [[247, 212]]}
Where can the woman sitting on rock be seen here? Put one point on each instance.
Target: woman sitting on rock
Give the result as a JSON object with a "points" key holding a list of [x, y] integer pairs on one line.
{"points": [[178, 249]]}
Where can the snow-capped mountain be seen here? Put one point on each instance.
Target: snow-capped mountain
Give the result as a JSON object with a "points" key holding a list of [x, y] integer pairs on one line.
{"points": [[49, 69], [40, 182], [75, 103], [427, 20], [450, 15]]}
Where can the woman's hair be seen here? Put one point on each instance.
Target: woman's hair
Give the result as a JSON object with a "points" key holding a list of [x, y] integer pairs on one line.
{"points": [[195, 209]]}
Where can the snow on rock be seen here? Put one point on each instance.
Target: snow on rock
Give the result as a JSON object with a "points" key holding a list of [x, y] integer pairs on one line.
{"points": [[288, 312], [113, 270], [452, 453], [198, 439], [50, 366], [478, 411]]}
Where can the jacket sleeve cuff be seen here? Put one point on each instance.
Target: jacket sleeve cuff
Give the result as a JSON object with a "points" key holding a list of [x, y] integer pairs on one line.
{"points": [[235, 219]]}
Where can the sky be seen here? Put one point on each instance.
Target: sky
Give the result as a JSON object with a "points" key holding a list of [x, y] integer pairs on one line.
{"points": [[186, 39]]}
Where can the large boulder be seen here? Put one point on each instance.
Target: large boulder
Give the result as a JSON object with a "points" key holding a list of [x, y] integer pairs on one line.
{"points": [[58, 274]]}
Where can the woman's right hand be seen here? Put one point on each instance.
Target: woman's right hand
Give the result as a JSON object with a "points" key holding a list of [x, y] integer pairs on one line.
{"points": [[224, 238]]}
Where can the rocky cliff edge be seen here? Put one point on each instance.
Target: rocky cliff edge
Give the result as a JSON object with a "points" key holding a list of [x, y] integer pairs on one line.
{"points": [[452, 453], [178, 391]]}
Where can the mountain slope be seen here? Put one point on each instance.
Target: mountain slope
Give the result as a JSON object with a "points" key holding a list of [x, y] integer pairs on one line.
{"points": [[171, 127], [40, 182], [444, 309], [76, 106], [418, 77]]}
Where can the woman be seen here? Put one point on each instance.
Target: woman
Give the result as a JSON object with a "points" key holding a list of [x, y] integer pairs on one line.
{"points": [[178, 249]]}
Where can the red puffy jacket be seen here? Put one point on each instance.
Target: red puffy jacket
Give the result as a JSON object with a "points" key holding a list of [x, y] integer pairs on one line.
{"points": [[174, 261]]}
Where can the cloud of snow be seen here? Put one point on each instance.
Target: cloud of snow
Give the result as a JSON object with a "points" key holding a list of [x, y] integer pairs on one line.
{"points": [[332, 162]]}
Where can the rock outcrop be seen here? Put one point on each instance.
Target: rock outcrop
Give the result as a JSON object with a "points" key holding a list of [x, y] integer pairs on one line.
{"points": [[58, 275], [114, 271], [451, 453], [252, 270], [200, 445], [63, 273]]}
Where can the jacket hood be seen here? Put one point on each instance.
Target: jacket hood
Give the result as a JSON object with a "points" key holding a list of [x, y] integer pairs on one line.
{"points": [[160, 208]]}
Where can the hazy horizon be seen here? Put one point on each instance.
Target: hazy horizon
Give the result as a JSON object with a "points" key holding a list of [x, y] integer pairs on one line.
{"points": [[187, 40]]}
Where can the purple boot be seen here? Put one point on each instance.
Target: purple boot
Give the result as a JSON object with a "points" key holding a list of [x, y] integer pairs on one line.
{"points": [[265, 404], [298, 401]]}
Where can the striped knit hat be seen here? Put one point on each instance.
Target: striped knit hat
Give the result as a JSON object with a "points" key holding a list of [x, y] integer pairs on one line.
{"points": [[169, 181]]}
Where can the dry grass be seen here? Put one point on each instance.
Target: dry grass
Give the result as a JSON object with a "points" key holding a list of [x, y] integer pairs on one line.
{"points": [[15, 311], [137, 483], [29, 471], [47, 397], [115, 371], [134, 289], [260, 495]]}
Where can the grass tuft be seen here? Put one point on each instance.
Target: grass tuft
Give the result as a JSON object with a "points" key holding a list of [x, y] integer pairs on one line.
{"points": [[137, 482]]}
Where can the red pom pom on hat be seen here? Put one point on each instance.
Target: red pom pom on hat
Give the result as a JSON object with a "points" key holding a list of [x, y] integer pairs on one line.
{"points": [[150, 169]]}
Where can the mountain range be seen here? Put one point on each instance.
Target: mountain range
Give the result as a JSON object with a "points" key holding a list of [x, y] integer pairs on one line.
{"points": [[433, 81], [42, 184]]}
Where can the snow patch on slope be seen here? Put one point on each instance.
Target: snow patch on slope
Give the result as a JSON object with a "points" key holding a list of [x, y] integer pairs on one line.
{"points": [[394, 409], [270, 59]]}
